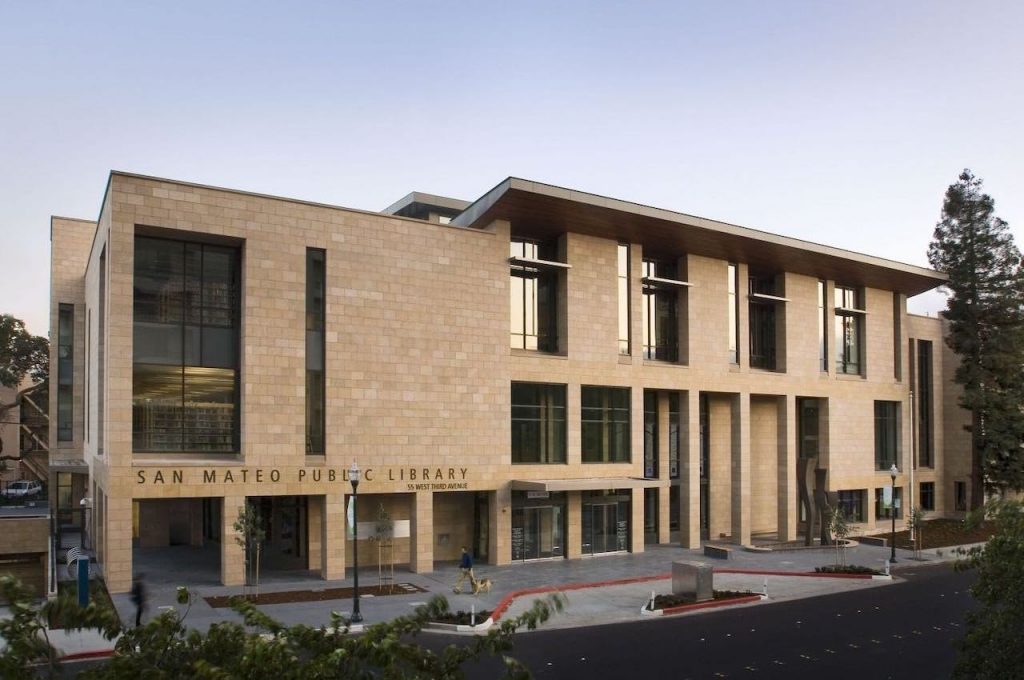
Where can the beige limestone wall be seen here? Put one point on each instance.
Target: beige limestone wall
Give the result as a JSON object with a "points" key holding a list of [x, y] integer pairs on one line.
{"points": [[764, 465]]}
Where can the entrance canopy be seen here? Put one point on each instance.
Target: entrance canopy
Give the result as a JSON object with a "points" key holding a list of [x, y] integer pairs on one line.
{"points": [[587, 484]]}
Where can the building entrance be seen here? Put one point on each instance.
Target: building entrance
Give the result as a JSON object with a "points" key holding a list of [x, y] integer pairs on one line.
{"points": [[538, 526], [284, 523], [605, 523]]}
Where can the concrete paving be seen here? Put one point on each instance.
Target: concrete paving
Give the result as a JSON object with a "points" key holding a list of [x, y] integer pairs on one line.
{"points": [[594, 603]]}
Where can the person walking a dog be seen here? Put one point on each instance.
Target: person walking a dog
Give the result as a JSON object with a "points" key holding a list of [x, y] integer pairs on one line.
{"points": [[465, 571]]}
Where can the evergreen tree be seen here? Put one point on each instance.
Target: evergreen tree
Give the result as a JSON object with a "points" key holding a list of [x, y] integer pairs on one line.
{"points": [[985, 310]]}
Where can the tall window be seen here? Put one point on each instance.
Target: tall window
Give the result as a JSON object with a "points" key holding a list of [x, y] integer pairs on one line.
{"points": [[674, 434], [960, 496], [316, 306], [534, 297], [734, 313], [101, 356], [185, 379], [538, 423], [623, 253], [822, 329], [925, 426], [65, 371], [809, 426], [927, 495], [761, 321], [650, 434], [605, 426], [849, 330], [661, 325], [887, 428]]}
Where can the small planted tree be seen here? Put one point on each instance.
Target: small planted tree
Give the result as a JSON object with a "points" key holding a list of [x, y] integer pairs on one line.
{"points": [[250, 534], [840, 529], [917, 526]]}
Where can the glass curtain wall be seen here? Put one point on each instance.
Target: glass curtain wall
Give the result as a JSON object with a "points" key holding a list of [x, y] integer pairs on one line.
{"points": [[186, 360]]}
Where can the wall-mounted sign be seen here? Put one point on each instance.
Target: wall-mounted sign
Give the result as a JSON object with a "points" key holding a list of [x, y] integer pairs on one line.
{"points": [[415, 478]]}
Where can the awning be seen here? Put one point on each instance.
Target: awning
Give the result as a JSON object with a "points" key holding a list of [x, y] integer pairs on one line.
{"points": [[588, 484], [76, 465]]}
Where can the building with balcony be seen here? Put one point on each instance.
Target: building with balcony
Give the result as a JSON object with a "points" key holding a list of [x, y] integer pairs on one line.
{"points": [[541, 373]]}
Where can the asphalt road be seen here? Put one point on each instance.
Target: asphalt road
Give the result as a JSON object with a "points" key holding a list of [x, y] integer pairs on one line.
{"points": [[904, 630]]}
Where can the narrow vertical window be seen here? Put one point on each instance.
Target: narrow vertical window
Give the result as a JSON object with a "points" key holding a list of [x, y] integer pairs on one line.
{"points": [[674, 433], [849, 330], [316, 287], [761, 320], [822, 329], [925, 425], [101, 355], [734, 343], [887, 428], [86, 404], [660, 320], [650, 434], [65, 371], [623, 262], [533, 289]]}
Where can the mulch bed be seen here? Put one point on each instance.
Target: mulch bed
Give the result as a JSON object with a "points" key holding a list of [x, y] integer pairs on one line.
{"points": [[318, 595], [942, 533], [667, 601], [847, 569], [97, 594]]}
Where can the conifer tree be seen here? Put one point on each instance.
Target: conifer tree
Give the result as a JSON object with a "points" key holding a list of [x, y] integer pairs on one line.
{"points": [[985, 311]]}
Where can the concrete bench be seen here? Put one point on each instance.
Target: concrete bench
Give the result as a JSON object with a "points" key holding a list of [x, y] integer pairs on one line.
{"points": [[720, 552], [872, 540]]}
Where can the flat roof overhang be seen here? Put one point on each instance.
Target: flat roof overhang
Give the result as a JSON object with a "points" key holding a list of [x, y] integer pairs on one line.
{"points": [[587, 484], [70, 465], [546, 211]]}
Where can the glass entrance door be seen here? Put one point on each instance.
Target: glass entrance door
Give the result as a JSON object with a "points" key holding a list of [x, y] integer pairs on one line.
{"points": [[537, 533], [602, 529]]}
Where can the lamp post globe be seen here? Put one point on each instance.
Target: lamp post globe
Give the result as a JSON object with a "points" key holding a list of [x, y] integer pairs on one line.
{"points": [[893, 471], [353, 477]]}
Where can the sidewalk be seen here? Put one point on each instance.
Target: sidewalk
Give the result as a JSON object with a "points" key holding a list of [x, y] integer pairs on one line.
{"points": [[592, 601]]}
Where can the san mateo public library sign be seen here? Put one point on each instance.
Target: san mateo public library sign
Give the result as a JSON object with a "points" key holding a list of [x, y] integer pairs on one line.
{"points": [[413, 478]]}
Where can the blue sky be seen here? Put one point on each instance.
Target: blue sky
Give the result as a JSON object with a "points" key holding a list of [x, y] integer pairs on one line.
{"points": [[840, 123]]}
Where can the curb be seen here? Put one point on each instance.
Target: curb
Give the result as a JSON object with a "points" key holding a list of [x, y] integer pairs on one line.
{"points": [[506, 601], [812, 574]]}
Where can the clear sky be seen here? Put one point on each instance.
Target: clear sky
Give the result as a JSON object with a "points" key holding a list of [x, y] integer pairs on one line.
{"points": [[837, 122]]}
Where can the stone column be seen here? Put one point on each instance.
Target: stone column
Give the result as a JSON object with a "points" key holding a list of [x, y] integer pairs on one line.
{"points": [[232, 555], [741, 468], [117, 568], [637, 522], [333, 533], [500, 508], [787, 507], [689, 471], [574, 525], [421, 539]]}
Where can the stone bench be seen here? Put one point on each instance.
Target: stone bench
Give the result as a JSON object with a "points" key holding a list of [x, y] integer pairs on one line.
{"points": [[720, 552], [694, 579]]}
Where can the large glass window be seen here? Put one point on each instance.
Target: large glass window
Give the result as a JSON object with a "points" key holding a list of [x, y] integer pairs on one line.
{"points": [[65, 371], [534, 298], [849, 330], [925, 424], [650, 434], [851, 504], [660, 320], [881, 511], [623, 262], [605, 430], [538, 423], [928, 496], [761, 321], [887, 429], [185, 383], [605, 521], [734, 313], [316, 306]]}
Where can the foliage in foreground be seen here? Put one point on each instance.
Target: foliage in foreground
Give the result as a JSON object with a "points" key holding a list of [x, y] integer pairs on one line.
{"points": [[263, 648], [992, 647]]}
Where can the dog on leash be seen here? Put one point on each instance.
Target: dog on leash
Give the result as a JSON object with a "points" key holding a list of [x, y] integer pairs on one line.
{"points": [[482, 585]]}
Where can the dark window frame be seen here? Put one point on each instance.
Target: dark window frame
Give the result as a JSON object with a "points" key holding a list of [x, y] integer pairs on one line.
{"points": [[925, 399], [660, 313], [887, 435], [605, 424], [536, 301], [539, 424], [849, 330], [316, 374], [853, 503], [926, 496], [65, 372]]}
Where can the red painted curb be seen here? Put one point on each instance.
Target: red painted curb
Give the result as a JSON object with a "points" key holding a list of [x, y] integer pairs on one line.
{"points": [[710, 605], [540, 590], [811, 574]]}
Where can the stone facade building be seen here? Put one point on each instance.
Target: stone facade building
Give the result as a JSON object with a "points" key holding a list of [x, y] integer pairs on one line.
{"points": [[539, 374]]}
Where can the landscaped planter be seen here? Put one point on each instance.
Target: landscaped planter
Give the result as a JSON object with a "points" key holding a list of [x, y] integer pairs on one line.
{"points": [[458, 622], [722, 599]]}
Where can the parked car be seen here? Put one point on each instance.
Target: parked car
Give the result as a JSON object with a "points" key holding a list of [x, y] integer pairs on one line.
{"points": [[22, 489]]}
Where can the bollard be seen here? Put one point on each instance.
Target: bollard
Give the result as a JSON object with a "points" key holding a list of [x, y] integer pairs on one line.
{"points": [[887, 566], [472, 614], [765, 590]]}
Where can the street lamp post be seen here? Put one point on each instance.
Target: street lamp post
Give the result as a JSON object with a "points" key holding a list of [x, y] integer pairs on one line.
{"points": [[892, 510], [353, 476]]}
